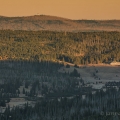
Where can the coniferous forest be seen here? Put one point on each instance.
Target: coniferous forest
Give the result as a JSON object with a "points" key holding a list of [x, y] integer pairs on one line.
{"points": [[56, 89], [77, 48], [32, 59]]}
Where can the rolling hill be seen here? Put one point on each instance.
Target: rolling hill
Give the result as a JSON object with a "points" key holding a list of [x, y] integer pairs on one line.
{"points": [[53, 23]]}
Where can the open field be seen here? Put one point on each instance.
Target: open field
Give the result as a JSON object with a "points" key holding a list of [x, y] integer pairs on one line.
{"points": [[98, 73]]}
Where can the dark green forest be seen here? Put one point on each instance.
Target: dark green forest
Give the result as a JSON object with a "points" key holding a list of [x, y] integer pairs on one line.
{"points": [[56, 103], [101, 106], [77, 48]]}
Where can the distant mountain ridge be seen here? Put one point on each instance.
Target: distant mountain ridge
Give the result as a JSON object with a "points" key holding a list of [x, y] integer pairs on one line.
{"points": [[53, 23]]}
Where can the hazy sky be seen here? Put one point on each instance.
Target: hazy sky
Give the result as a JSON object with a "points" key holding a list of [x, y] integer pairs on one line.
{"points": [[73, 9]]}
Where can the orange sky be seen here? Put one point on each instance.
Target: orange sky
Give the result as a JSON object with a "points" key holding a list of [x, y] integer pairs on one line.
{"points": [[73, 9]]}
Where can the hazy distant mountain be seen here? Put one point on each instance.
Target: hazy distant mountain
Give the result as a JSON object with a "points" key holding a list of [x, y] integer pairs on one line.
{"points": [[45, 22]]}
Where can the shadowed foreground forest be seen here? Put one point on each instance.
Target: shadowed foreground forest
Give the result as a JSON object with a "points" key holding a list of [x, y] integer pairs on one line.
{"points": [[77, 48], [55, 87]]}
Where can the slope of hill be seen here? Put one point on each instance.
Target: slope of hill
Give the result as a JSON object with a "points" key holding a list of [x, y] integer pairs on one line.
{"points": [[77, 48], [52, 23]]}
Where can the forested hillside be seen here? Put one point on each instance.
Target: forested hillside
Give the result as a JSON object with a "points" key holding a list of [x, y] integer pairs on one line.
{"points": [[53, 23], [78, 48]]}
